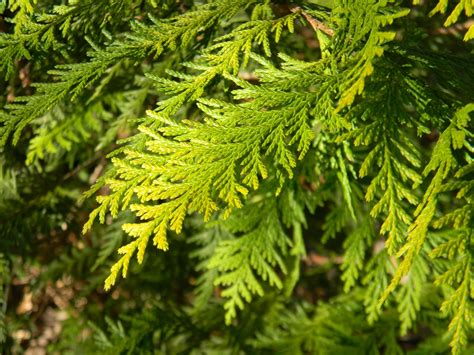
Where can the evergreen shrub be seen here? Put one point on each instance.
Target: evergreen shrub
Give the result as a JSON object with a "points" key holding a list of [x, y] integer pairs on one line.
{"points": [[237, 176]]}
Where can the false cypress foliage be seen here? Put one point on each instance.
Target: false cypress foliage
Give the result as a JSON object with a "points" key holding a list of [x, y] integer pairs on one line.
{"points": [[305, 170]]}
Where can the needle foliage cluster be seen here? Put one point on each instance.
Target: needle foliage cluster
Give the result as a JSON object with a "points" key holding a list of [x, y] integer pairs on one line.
{"points": [[239, 176]]}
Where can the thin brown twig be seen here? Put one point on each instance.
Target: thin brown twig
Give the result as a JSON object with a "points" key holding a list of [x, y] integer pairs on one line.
{"points": [[456, 29], [88, 162], [316, 24]]}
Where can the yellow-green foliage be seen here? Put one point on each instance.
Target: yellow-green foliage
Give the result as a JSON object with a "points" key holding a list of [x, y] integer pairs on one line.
{"points": [[257, 118]]}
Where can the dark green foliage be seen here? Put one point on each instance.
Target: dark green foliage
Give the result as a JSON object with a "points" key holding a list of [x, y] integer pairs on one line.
{"points": [[305, 169]]}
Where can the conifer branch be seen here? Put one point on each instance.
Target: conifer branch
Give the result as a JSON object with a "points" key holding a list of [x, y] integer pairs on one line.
{"points": [[142, 42], [283, 141]]}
